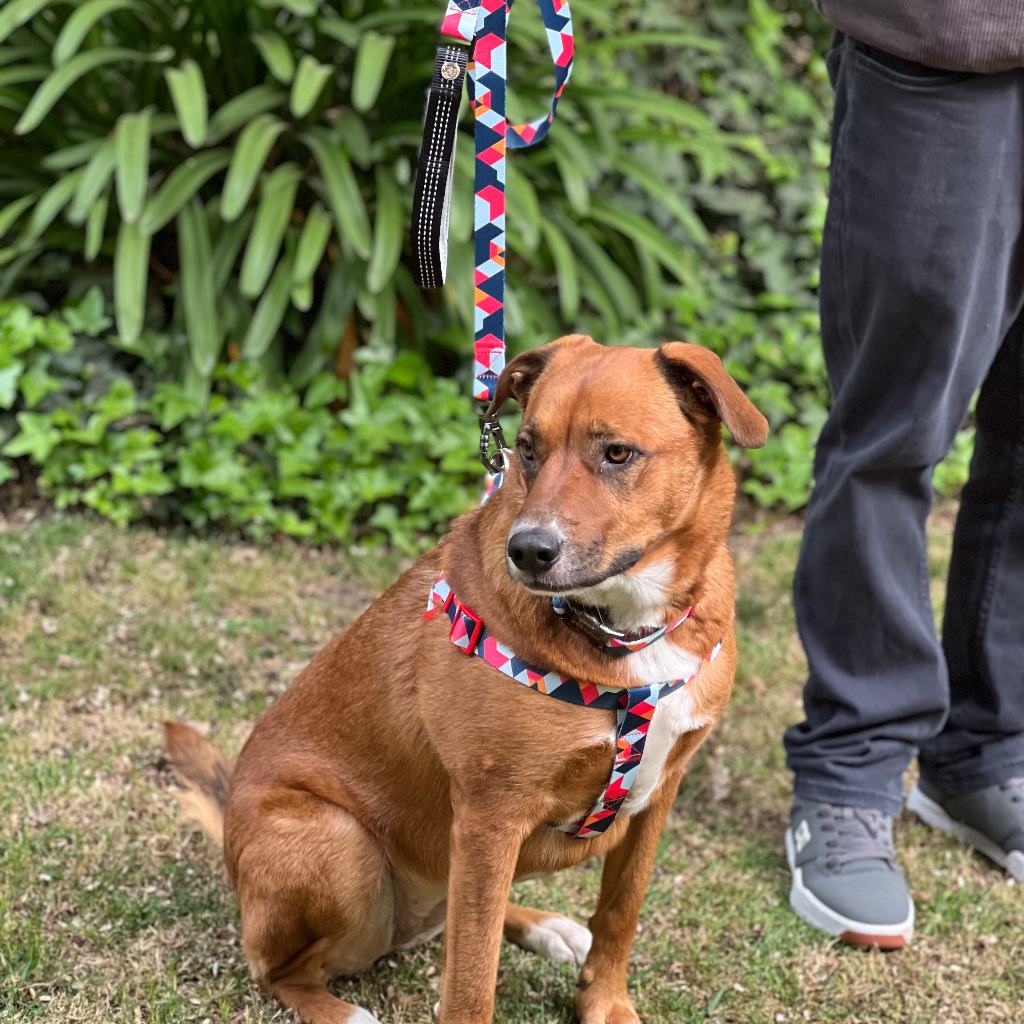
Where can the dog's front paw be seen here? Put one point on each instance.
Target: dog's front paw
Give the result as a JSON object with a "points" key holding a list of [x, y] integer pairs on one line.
{"points": [[597, 1006], [558, 938]]}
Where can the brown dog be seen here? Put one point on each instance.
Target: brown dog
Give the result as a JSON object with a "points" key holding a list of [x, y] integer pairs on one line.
{"points": [[399, 785]]}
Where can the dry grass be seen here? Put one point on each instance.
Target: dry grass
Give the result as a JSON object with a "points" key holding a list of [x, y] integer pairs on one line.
{"points": [[110, 911]]}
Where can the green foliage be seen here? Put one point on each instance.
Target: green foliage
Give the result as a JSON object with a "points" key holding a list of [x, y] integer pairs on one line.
{"points": [[396, 463], [238, 174]]}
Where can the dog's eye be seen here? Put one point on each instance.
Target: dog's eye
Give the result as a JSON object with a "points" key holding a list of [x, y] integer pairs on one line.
{"points": [[618, 454], [525, 448]]}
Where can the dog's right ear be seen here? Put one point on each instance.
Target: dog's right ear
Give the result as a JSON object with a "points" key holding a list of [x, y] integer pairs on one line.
{"points": [[517, 379]]}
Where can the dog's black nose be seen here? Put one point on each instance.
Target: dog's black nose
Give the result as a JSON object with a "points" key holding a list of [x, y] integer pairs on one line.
{"points": [[534, 550]]}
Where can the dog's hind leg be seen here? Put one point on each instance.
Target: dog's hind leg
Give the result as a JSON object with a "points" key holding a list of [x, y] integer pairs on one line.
{"points": [[317, 899], [551, 935]]}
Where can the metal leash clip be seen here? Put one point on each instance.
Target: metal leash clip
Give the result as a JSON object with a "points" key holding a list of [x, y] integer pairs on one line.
{"points": [[491, 428]]}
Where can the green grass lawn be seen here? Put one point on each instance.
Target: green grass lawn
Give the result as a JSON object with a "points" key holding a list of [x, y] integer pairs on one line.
{"points": [[111, 911]]}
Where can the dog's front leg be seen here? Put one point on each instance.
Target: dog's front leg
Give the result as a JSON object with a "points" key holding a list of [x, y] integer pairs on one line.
{"points": [[484, 850], [602, 997]]}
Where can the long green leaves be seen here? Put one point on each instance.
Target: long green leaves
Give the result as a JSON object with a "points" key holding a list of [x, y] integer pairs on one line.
{"points": [[310, 80], [197, 296], [93, 181], [269, 311], [277, 197], [180, 187], [310, 251], [132, 168], [343, 193], [82, 19], [188, 92], [131, 270], [17, 12], [387, 235], [371, 67], [59, 81], [237, 111], [276, 54], [247, 162]]}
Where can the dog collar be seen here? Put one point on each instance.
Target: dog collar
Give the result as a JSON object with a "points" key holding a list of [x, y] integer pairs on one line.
{"points": [[612, 641], [634, 706]]}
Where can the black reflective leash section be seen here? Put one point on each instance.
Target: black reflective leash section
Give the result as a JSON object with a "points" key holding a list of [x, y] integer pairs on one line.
{"points": [[432, 200]]}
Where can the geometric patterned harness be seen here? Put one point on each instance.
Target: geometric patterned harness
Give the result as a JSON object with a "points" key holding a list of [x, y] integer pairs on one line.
{"points": [[634, 706]]}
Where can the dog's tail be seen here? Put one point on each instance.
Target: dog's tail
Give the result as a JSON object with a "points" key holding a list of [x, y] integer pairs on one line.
{"points": [[206, 775]]}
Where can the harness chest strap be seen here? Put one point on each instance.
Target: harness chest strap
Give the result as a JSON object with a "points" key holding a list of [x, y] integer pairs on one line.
{"points": [[634, 706]]}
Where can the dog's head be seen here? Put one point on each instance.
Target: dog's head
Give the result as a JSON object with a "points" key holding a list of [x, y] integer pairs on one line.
{"points": [[615, 445]]}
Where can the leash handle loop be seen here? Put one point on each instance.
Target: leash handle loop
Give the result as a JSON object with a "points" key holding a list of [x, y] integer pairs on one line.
{"points": [[484, 24]]}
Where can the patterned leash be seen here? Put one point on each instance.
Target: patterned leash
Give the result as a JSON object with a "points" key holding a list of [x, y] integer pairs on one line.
{"points": [[482, 23]]}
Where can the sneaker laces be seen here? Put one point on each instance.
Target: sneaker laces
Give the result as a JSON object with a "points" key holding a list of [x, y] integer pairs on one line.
{"points": [[1015, 787], [860, 834]]}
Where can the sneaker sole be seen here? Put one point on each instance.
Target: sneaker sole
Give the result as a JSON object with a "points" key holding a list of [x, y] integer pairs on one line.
{"points": [[854, 933], [933, 814]]}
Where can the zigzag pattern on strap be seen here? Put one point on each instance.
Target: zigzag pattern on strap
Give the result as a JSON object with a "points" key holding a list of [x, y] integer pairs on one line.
{"points": [[484, 23]]}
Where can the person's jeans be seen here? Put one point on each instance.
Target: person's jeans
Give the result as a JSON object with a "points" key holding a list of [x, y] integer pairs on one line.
{"points": [[922, 286]]}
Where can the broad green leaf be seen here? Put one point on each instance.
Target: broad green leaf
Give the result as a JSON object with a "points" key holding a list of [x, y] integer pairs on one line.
{"points": [[23, 73], [343, 193], [17, 12], [132, 168], [9, 377], [241, 109], [644, 233], [36, 437], [371, 67], [51, 202], [36, 383], [659, 190], [93, 181], [57, 83], [346, 32], [77, 27], [227, 247], [13, 210], [387, 233], [277, 200], [94, 227], [131, 272], [312, 243], [254, 144], [310, 79], [276, 54], [183, 183], [269, 312], [565, 267], [72, 156], [196, 280], [188, 91]]}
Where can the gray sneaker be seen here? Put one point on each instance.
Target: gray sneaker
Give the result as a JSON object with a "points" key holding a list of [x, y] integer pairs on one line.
{"points": [[990, 819], [845, 878]]}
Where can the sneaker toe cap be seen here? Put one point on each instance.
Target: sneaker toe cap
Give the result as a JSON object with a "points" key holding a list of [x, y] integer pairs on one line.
{"points": [[866, 897]]}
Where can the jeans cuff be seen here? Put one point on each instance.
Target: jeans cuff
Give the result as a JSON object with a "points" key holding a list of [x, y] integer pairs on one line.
{"points": [[953, 782], [827, 791]]}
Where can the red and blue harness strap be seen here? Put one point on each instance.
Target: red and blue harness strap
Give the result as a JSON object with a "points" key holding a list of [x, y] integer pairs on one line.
{"points": [[484, 23], [634, 706]]}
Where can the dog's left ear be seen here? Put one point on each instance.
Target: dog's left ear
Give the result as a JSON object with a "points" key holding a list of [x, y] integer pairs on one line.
{"points": [[705, 388]]}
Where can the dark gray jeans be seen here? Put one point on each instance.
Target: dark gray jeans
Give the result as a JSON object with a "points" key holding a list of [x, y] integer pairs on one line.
{"points": [[922, 286]]}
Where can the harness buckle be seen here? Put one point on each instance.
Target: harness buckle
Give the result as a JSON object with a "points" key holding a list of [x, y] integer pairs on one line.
{"points": [[498, 462]]}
